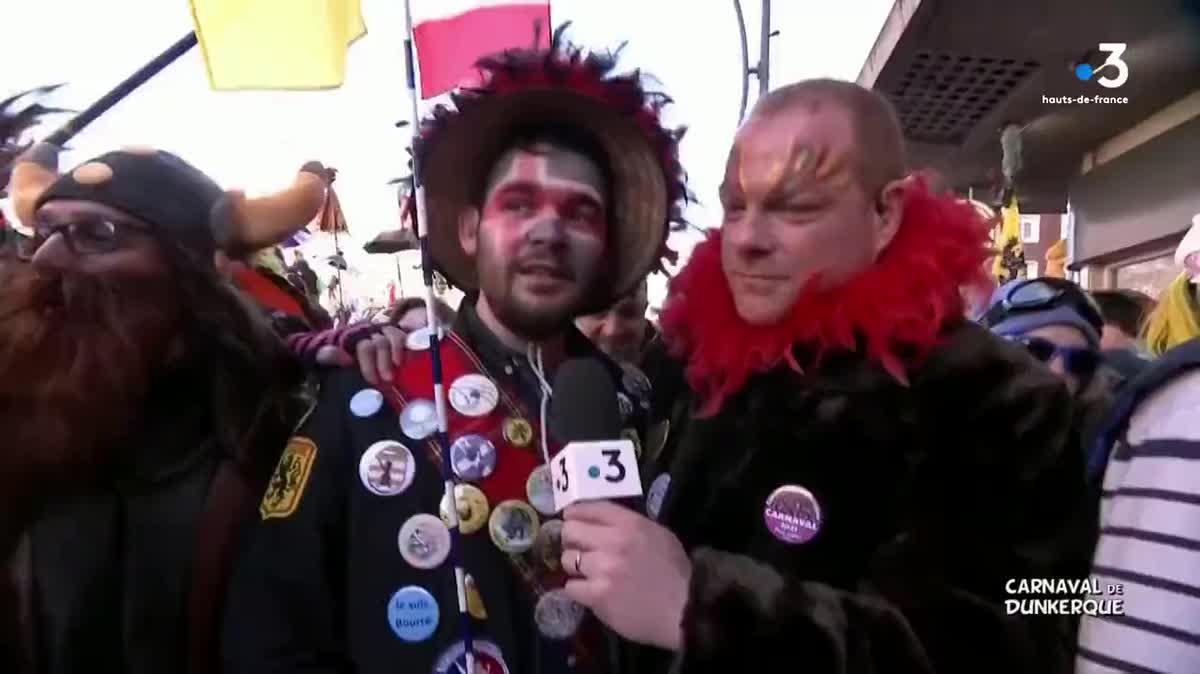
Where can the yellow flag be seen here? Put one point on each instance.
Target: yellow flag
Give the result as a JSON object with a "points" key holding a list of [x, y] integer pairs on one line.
{"points": [[1010, 263], [276, 44]]}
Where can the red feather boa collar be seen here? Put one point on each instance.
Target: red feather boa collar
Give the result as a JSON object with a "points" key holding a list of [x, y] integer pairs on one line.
{"points": [[900, 303]]}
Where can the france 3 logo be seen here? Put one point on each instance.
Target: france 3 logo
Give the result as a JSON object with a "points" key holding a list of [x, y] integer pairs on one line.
{"points": [[1085, 72]]}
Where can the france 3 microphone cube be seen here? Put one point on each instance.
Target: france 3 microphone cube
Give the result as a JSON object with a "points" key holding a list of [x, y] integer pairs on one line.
{"points": [[595, 470]]}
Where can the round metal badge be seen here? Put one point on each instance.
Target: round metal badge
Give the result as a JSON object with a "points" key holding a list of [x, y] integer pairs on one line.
{"points": [[488, 659], [539, 489], [473, 457], [513, 526], [656, 495], [547, 547], [424, 541], [366, 403], [557, 615], [413, 613], [418, 340], [473, 395], [518, 432], [418, 419], [387, 468], [473, 508], [792, 514]]}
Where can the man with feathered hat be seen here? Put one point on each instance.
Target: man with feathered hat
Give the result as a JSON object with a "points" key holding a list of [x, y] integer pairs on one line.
{"points": [[142, 400], [550, 188], [854, 470]]}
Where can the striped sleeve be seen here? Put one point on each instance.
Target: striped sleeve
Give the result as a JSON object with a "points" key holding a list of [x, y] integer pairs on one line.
{"points": [[1150, 542]]}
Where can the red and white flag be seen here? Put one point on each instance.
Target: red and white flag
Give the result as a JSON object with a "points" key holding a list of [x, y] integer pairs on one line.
{"points": [[451, 35]]}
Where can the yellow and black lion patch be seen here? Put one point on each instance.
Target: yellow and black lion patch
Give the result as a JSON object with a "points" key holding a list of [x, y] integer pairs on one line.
{"points": [[290, 477]]}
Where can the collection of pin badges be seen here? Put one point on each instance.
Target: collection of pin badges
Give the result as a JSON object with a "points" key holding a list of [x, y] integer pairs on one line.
{"points": [[388, 468]]}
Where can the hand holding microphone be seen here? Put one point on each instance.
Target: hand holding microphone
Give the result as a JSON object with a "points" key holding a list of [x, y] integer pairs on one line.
{"points": [[629, 570]]}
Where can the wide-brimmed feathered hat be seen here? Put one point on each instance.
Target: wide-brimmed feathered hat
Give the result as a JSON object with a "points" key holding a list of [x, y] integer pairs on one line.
{"points": [[556, 86]]}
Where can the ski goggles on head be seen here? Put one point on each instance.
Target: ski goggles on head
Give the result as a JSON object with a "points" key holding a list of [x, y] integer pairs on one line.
{"points": [[1079, 361], [1042, 293]]}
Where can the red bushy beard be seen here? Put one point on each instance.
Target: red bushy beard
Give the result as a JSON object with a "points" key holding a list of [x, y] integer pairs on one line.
{"points": [[896, 307], [77, 353]]}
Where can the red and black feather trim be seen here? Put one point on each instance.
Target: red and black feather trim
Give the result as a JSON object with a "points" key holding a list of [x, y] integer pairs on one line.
{"points": [[892, 313], [587, 73]]}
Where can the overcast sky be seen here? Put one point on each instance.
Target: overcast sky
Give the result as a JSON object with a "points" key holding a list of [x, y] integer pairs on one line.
{"points": [[257, 140]]}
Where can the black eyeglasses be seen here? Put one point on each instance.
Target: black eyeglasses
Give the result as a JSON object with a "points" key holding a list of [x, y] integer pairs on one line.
{"points": [[87, 236], [1081, 362], [1041, 293]]}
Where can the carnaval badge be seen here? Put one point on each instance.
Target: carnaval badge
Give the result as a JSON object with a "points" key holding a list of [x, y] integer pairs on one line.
{"points": [[792, 514], [291, 476]]}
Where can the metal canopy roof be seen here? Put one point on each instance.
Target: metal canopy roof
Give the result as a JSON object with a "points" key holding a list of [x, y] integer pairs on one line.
{"points": [[958, 71]]}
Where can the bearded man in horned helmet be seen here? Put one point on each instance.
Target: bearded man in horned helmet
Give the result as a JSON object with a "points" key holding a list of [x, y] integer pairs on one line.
{"points": [[143, 402]]}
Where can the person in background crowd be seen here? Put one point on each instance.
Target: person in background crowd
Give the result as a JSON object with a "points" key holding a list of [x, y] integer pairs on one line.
{"points": [[1060, 325], [1175, 319], [551, 187], [858, 469], [308, 278], [1147, 462], [1055, 320], [409, 314], [258, 276], [1124, 313], [622, 330], [143, 400]]}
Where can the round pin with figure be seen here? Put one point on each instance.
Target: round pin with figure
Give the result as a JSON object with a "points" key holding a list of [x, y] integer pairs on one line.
{"points": [[387, 468], [513, 526], [413, 613], [473, 457], [539, 489], [473, 395], [488, 659], [366, 403], [547, 547], [657, 494], [557, 615], [424, 541], [418, 419], [473, 508], [518, 432], [792, 514]]}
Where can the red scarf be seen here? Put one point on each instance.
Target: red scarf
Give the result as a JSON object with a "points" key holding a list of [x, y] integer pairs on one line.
{"points": [[901, 302], [268, 295]]}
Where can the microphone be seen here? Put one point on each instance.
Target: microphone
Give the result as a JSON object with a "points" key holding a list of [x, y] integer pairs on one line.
{"points": [[596, 462]]}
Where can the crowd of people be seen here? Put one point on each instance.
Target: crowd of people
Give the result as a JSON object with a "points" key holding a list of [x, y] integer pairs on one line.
{"points": [[845, 464]]}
